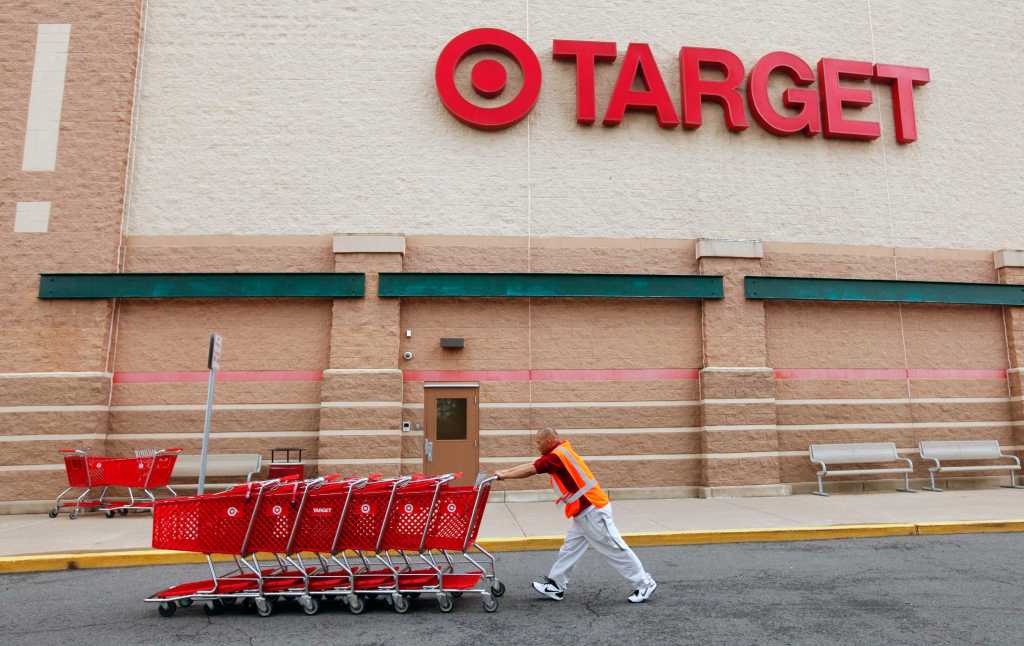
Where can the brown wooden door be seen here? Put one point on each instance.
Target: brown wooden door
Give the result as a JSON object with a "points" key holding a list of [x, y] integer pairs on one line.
{"points": [[451, 431]]}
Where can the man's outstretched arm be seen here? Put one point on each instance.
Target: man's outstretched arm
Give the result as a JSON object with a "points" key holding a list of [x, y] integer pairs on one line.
{"points": [[514, 473]]}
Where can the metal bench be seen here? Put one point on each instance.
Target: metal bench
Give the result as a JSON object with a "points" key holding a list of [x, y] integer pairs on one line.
{"points": [[220, 465], [863, 453], [956, 450]]}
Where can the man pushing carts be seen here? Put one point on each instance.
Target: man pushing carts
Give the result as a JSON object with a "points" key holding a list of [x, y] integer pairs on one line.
{"points": [[590, 513]]}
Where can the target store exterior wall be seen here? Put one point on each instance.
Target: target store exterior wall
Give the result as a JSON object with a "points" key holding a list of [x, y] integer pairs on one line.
{"points": [[255, 124], [245, 138]]}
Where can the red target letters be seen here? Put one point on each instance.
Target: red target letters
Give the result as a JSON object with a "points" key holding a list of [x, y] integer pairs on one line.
{"points": [[831, 109]]}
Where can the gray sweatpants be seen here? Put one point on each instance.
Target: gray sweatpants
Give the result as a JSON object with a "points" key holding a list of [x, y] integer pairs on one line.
{"points": [[595, 528]]}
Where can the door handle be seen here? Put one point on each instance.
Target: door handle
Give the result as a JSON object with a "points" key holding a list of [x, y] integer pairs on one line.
{"points": [[428, 449]]}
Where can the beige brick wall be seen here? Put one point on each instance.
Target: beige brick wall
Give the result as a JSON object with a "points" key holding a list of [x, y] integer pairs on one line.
{"points": [[85, 190]]}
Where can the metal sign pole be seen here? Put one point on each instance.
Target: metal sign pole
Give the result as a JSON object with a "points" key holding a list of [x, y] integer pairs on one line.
{"points": [[213, 362]]}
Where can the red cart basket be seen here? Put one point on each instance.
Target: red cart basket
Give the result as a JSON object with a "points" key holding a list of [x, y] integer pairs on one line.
{"points": [[92, 472], [219, 523]]}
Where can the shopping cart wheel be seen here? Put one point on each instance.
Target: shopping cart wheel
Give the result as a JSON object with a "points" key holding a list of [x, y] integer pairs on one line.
{"points": [[356, 605], [52, 513], [456, 593], [445, 602], [184, 603], [310, 606], [109, 513], [213, 607], [73, 515], [167, 609], [123, 512], [400, 603], [497, 588], [263, 607], [489, 603]]}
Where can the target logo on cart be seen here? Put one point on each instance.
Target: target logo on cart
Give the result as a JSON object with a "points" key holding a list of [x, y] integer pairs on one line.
{"points": [[488, 78], [365, 508], [276, 510], [451, 508], [408, 508], [232, 511], [322, 510]]}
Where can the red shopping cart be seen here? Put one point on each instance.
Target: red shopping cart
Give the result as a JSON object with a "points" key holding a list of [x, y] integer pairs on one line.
{"points": [[318, 531], [92, 472], [149, 469], [362, 532], [405, 531], [219, 523], [274, 531], [454, 526], [84, 472]]}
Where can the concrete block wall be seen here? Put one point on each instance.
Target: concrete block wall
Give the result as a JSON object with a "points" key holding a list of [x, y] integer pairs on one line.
{"points": [[66, 98]]}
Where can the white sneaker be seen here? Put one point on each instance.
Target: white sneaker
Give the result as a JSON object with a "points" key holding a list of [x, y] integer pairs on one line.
{"points": [[644, 592], [549, 589]]}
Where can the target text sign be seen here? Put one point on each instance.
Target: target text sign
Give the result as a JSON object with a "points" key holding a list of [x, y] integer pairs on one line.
{"points": [[811, 111]]}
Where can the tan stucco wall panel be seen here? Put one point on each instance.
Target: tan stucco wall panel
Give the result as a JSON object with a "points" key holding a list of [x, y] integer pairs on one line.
{"points": [[227, 421], [833, 335], [259, 334], [225, 392], [180, 253], [362, 386], [51, 422], [54, 391]]}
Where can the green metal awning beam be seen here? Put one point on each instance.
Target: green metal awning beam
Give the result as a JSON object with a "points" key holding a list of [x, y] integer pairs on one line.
{"points": [[881, 291], [86, 286], [550, 285]]}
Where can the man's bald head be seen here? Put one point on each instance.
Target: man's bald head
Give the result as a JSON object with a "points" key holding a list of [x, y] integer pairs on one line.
{"points": [[546, 439]]}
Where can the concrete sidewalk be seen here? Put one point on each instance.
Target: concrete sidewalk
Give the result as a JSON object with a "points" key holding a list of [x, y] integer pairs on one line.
{"points": [[36, 534]]}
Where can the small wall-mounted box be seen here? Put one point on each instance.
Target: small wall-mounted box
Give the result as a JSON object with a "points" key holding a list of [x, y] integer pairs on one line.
{"points": [[454, 343]]}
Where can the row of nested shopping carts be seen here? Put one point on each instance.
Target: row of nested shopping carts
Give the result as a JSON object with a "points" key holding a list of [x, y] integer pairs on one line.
{"points": [[149, 469], [331, 539]]}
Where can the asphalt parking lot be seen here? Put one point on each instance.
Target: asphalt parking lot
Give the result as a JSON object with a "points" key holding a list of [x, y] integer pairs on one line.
{"points": [[925, 590]]}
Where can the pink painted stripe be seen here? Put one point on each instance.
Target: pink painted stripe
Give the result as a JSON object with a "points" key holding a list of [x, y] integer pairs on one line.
{"points": [[228, 375], [614, 374], [982, 374], [466, 375], [639, 374], [888, 374]]}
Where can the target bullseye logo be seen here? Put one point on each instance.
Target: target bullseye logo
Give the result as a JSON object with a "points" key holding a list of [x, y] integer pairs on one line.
{"points": [[488, 78], [232, 511], [451, 508], [276, 510], [408, 508], [365, 508]]}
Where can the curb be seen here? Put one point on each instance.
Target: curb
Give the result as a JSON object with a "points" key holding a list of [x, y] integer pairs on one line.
{"points": [[144, 557]]}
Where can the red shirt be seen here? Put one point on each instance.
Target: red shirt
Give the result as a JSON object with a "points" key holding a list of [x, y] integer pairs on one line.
{"points": [[551, 464]]}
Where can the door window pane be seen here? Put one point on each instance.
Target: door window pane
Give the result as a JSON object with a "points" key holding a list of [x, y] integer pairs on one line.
{"points": [[451, 419]]}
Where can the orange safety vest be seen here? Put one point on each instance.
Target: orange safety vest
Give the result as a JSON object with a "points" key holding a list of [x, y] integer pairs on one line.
{"points": [[583, 478]]}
